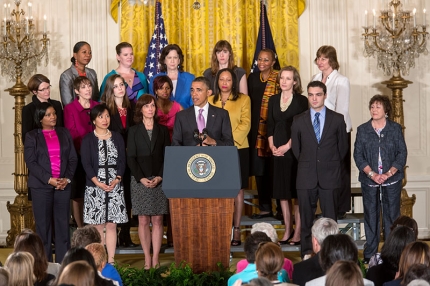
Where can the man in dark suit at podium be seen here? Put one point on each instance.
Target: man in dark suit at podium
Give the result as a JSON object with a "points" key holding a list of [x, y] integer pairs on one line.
{"points": [[202, 122], [319, 142]]}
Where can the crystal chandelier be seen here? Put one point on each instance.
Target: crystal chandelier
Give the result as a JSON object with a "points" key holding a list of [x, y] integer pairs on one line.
{"points": [[21, 52], [396, 39]]}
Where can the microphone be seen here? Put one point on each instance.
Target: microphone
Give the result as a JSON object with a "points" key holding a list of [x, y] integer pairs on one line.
{"points": [[205, 133], [196, 135]]}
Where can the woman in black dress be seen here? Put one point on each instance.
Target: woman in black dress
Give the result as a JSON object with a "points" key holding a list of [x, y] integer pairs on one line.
{"points": [[282, 109]]}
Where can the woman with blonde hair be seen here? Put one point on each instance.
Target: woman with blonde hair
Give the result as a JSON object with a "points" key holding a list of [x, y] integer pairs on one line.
{"points": [[20, 267], [344, 273], [78, 273]]}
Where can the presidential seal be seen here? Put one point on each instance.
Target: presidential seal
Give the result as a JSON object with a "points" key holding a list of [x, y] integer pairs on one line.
{"points": [[201, 167]]}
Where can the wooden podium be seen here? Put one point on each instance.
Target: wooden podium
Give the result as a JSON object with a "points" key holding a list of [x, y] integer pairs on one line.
{"points": [[201, 184]]}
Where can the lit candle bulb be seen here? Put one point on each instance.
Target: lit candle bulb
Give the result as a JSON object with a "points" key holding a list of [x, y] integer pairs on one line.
{"points": [[5, 9], [44, 24], [365, 18], [4, 27], [424, 18], [29, 10], [8, 10], [415, 23], [374, 19]]}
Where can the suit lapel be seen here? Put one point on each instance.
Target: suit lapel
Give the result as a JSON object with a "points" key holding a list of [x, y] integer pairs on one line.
{"points": [[155, 132], [210, 121], [144, 133], [116, 121], [327, 122], [191, 117], [309, 125]]}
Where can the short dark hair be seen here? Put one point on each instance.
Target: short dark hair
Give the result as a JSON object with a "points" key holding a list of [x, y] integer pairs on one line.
{"points": [[97, 111], [384, 100], [40, 112], [144, 100], [35, 81], [337, 247], [121, 46], [406, 221], [76, 49], [234, 90], [330, 53], [416, 271], [159, 81], [166, 50], [203, 80], [81, 80], [84, 236], [251, 244], [394, 245], [317, 83]]}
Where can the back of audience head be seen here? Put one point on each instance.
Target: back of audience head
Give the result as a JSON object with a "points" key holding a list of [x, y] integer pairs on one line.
{"points": [[251, 244], [260, 281], [99, 254], [418, 282], [394, 244], [84, 236], [408, 222], [344, 272], [267, 228], [337, 247], [20, 267], [322, 228], [32, 243], [415, 272], [269, 260], [78, 273], [417, 252], [4, 277]]}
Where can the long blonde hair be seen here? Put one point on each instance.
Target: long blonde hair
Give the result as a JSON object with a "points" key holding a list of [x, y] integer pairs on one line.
{"points": [[20, 266]]}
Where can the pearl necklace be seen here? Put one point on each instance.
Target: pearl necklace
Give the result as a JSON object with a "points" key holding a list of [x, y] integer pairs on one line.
{"points": [[102, 135]]}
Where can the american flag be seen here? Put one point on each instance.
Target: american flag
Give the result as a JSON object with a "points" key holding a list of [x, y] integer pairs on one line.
{"points": [[265, 39], [158, 42]]}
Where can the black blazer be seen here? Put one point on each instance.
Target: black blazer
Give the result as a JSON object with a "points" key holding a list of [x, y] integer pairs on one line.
{"points": [[90, 155], [307, 270], [37, 157], [319, 164], [218, 126], [27, 118], [116, 123], [146, 157]]}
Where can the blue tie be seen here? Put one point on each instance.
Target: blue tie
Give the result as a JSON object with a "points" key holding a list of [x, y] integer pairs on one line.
{"points": [[317, 126]]}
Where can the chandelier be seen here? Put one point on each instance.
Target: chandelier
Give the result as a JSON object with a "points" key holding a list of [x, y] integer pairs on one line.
{"points": [[21, 52], [395, 38]]}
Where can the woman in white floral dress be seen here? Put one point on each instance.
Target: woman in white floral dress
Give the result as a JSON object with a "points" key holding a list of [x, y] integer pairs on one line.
{"points": [[104, 161]]}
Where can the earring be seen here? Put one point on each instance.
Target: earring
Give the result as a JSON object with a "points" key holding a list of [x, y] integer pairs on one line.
{"points": [[386, 115], [178, 66]]}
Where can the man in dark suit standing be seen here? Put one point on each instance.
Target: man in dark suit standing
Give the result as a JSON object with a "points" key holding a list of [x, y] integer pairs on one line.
{"points": [[310, 269], [319, 142], [212, 123]]}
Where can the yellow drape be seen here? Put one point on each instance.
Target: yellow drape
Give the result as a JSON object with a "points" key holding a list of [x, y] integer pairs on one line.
{"points": [[197, 31]]}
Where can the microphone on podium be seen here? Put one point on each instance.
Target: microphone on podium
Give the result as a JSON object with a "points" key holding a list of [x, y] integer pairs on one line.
{"points": [[196, 135], [205, 133]]}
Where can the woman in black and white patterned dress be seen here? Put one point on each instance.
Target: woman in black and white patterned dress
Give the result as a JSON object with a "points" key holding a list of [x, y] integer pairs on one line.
{"points": [[145, 157], [103, 159]]}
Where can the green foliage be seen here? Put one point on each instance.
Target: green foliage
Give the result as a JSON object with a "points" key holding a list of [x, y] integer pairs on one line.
{"points": [[181, 275]]}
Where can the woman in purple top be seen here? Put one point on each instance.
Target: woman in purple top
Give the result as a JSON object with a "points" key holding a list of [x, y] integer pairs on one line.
{"points": [[51, 159], [77, 120]]}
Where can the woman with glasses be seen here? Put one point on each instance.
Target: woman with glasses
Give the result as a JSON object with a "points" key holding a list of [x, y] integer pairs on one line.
{"points": [[136, 83], [40, 86], [77, 120]]}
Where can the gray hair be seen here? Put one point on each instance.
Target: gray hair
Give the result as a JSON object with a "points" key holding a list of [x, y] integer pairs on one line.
{"points": [[418, 282], [324, 227], [267, 228]]}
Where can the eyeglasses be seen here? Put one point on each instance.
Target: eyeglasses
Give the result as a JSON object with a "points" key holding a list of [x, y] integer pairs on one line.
{"points": [[44, 89], [119, 85]]}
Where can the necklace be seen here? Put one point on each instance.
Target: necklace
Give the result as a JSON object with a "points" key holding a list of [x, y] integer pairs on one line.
{"points": [[102, 135], [284, 103], [223, 102], [81, 73]]}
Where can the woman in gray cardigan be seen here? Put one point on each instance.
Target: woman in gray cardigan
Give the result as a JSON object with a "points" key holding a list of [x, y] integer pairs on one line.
{"points": [[380, 155]]}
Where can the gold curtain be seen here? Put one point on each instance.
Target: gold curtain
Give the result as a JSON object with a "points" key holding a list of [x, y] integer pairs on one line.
{"points": [[197, 30]]}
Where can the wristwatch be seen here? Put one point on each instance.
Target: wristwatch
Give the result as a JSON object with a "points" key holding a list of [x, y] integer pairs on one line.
{"points": [[370, 174], [68, 180]]}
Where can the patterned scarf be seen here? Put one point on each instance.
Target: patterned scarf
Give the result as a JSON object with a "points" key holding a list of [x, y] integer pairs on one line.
{"points": [[271, 88]]}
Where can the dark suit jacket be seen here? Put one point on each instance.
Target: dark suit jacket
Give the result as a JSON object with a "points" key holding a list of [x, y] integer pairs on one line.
{"points": [[116, 123], [27, 119], [307, 270], [146, 157], [319, 164], [37, 157], [218, 126], [90, 155]]}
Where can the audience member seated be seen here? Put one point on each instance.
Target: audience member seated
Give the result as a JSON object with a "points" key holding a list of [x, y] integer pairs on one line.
{"points": [[100, 257], [417, 272], [268, 229], [310, 269], [344, 273], [78, 273], [269, 260], [400, 221], [417, 252], [334, 248], [390, 255], [88, 235], [4, 277], [418, 282], [20, 267], [77, 254], [32, 243], [251, 245]]}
